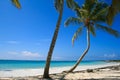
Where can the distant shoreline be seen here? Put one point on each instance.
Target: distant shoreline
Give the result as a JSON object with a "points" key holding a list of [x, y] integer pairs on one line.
{"points": [[112, 61], [35, 72], [18, 64], [58, 60], [32, 64]]}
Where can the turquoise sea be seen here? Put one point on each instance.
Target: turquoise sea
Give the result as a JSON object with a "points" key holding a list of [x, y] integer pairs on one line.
{"points": [[25, 64]]}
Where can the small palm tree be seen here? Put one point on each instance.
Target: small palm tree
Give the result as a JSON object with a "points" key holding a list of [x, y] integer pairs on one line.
{"points": [[89, 16]]}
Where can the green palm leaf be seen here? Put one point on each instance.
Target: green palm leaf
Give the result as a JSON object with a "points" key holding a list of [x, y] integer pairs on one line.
{"points": [[116, 5], [100, 13], [77, 34], [109, 30], [82, 13], [89, 5], [72, 4], [100, 19], [97, 8], [73, 20], [92, 30], [110, 16], [16, 3], [113, 10]]}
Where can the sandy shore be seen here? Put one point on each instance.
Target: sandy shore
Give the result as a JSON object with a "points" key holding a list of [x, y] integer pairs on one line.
{"points": [[110, 71]]}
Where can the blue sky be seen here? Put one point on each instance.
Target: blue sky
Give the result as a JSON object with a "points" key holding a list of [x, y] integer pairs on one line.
{"points": [[26, 33]]}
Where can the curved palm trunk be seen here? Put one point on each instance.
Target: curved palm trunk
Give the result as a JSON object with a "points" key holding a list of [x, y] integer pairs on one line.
{"points": [[46, 70], [80, 59]]}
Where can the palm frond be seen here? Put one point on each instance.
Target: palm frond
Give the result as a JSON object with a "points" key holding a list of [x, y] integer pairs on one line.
{"points": [[109, 30], [82, 13], [72, 20], [89, 4], [16, 3], [97, 8], [113, 10], [58, 4], [100, 13], [110, 16], [116, 5], [92, 30], [100, 19], [77, 34], [72, 4], [77, 12], [82, 10]]}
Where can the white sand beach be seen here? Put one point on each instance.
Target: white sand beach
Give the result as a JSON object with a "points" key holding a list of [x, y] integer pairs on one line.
{"points": [[36, 72]]}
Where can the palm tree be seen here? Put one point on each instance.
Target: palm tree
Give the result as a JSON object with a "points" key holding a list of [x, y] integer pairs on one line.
{"points": [[113, 10], [16, 3], [89, 16], [59, 7]]}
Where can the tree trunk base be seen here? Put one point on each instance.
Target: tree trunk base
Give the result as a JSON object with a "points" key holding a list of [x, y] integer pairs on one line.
{"points": [[46, 77]]}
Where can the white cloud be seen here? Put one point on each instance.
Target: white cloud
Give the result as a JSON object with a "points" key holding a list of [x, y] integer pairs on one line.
{"points": [[30, 54], [26, 54], [13, 53], [12, 42], [110, 55], [57, 58]]}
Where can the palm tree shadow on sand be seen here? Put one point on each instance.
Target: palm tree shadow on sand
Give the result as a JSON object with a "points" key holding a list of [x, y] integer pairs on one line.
{"points": [[59, 76]]}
